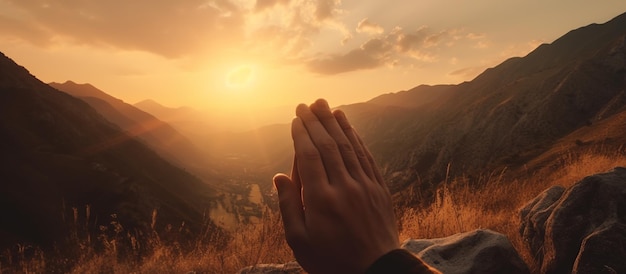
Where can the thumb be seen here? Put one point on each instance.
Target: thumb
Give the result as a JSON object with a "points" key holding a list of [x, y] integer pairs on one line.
{"points": [[290, 203]]}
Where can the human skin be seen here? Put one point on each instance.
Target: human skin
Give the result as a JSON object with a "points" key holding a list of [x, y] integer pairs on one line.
{"points": [[336, 209]]}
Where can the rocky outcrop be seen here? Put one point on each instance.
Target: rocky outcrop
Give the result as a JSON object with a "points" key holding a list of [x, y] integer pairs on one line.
{"points": [[288, 268], [581, 229], [478, 251], [534, 215]]}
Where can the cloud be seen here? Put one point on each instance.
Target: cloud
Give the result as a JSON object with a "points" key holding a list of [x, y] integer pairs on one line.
{"points": [[261, 5], [279, 31], [353, 60], [326, 9], [474, 36], [481, 45], [288, 29], [285, 38], [26, 31], [167, 28], [421, 38], [421, 45], [468, 72], [372, 54], [366, 26], [282, 30]]}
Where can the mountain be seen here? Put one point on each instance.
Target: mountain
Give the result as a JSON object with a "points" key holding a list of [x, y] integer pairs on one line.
{"points": [[562, 97], [509, 114], [197, 126], [58, 153], [207, 128], [159, 135], [168, 113], [420, 96]]}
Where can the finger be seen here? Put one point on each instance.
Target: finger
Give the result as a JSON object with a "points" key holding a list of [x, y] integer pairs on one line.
{"points": [[295, 176], [326, 147], [375, 169], [359, 149], [291, 210], [321, 109], [310, 166]]}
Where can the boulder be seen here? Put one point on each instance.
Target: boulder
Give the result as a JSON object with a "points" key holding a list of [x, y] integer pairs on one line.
{"points": [[534, 216], [478, 251], [583, 230], [288, 268]]}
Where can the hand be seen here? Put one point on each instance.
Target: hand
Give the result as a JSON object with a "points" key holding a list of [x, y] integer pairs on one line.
{"points": [[336, 209]]}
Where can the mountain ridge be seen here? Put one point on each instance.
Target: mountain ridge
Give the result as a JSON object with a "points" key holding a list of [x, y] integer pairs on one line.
{"points": [[59, 153], [159, 135], [511, 108]]}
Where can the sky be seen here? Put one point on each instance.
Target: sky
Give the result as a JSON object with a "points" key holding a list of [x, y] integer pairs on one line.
{"points": [[257, 55]]}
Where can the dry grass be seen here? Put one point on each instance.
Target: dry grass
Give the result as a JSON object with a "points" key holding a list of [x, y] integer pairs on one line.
{"points": [[493, 201], [119, 251], [461, 205]]}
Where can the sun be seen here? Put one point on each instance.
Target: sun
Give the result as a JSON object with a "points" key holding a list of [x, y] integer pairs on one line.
{"points": [[240, 77]]}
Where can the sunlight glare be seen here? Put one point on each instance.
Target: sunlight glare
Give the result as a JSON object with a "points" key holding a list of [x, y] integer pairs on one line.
{"points": [[240, 77]]}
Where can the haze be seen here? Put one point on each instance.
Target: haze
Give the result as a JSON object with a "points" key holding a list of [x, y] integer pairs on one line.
{"points": [[239, 57]]}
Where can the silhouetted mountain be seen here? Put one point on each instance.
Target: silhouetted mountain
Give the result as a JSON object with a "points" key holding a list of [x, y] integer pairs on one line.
{"points": [[59, 153], [167, 113], [160, 136], [205, 128], [183, 118], [197, 126]]}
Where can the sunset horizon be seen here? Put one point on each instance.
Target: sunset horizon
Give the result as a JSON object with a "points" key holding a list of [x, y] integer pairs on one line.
{"points": [[242, 57]]}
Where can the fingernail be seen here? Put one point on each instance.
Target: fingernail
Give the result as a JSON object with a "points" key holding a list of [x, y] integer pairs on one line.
{"points": [[300, 108], [323, 103], [340, 114], [277, 184]]}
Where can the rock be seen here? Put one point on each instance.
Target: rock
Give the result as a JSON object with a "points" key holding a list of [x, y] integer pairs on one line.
{"points": [[534, 216], [603, 251], [584, 230], [478, 251], [288, 268]]}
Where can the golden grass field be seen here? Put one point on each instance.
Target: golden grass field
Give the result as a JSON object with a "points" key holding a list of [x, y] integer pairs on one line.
{"points": [[461, 205]]}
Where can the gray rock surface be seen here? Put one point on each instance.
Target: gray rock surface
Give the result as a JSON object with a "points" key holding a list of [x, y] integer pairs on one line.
{"points": [[583, 230], [288, 268], [478, 251], [534, 215]]}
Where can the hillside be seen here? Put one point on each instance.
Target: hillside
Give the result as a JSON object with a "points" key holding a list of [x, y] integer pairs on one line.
{"points": [[58, 153], [511, 113], [159, 135]]}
